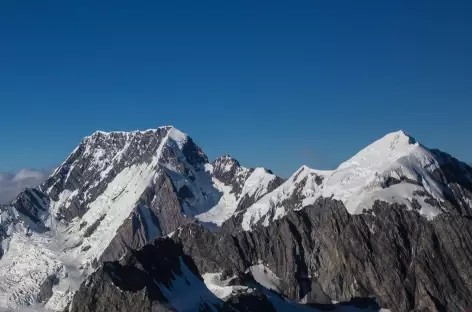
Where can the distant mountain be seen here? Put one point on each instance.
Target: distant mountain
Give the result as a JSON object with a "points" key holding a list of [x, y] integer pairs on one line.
{"points": [[13, 183], [143, 221]]}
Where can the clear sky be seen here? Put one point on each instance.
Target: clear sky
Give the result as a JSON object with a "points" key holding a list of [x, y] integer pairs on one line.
{"points": [[273, 83]]}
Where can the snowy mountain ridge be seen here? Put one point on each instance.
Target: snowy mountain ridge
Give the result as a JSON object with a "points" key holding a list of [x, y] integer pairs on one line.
{"points": [[240, 186], [395, 169], [119, 190]]}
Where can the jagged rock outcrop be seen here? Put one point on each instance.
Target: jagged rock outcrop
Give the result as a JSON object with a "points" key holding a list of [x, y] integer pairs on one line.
{"points": [[158, 212], [241, 180], [162, 276], [323, 253], [158, 277], [33, 204]]}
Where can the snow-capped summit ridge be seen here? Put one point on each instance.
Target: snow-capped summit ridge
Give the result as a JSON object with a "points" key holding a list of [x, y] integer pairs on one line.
{"points": [[169, 131], [395, 168], [226, 158], [108, 133], [383, 151], [226, 164]]}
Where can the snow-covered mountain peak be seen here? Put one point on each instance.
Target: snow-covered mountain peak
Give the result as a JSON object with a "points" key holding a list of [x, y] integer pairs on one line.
{"points": [[225, 164], [102, 139], [111, 133], [116, 190], [383, 151], [226, 168], [395, 169], [240, 187], [103, 156]]}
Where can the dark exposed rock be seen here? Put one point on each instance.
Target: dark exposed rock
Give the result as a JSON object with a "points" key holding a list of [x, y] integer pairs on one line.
{"points": [[193, 153], [137, 281], [88, 231], [99, 294], [249, 302], [319, 179], [46, 288], [456, 178], [453, 170], [143, 280], [184, 193], [431, 201], [421, 193], [163, 205], [415, 204], [32, 203], [389, 181], [322, 252], [245, 202]]}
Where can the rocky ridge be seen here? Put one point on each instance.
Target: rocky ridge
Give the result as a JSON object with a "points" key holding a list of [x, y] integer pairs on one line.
{"points": [[396, 260], [389, 228]]}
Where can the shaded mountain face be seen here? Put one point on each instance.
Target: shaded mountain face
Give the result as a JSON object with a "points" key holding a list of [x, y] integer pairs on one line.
{"points": [[165, 275], [389, 227], [312, 256]]}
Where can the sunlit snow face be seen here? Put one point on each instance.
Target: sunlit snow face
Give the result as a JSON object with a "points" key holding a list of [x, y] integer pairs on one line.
{"points": [[360, 181]]}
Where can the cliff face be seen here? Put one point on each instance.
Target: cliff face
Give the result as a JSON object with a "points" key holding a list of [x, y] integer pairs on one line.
{"points": [[323, 254]]}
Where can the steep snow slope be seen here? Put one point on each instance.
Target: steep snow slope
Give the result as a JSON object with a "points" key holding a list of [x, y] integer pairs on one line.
{"points": [[394, 168]]}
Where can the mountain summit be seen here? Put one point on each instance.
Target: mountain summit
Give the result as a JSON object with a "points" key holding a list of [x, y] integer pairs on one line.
{"points": [[395, 169], [115, 191], [125, 195]]}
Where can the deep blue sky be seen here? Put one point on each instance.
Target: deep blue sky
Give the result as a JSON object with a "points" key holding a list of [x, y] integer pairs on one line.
{"points": [[278, 84]]}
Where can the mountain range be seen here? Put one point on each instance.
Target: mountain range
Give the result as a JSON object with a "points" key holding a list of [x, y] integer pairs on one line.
{"points": [[143, 221]]}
